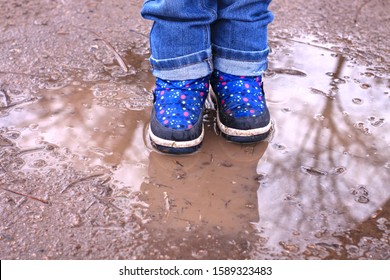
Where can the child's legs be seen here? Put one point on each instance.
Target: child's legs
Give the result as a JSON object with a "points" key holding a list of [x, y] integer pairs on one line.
{"points": [[239, 37], [180, 38]]}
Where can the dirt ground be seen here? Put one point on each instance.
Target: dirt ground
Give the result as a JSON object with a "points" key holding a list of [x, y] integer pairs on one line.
{"points": [[80, 180]]}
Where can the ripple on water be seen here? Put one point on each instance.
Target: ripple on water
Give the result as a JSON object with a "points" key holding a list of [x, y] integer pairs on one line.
{"points": [[365, 86], [361, 126], [357, 101], [376, 122], [33, 127], [339, 170], [361, 194], [39, 163], [13, 134], [279, 147], [319, 117]]}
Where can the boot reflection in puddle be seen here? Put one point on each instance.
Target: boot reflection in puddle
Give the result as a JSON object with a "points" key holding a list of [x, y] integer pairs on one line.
{"points": [[202, 205]]}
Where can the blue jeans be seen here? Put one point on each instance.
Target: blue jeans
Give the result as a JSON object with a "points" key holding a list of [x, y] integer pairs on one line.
{"points": [[191, 38]]}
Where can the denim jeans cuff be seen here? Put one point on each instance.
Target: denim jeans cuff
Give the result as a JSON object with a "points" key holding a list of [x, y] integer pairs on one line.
{"points": [[240, 63], [192, 66]]}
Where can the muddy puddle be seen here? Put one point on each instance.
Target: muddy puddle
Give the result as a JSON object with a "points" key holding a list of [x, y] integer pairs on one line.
{"points": [[79, 179]]}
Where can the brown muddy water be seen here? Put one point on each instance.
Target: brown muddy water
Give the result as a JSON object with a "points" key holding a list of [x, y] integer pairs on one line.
{"points": [[80, 180]]}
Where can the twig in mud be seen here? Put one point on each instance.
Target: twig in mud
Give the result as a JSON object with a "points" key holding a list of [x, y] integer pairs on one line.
{"points": [[188, 202], [162, 185], [116, 54], [26, 195], [302, 42], [107, 203], [139, 33], [81, 180], [18, 103], [88, 207], [108, 179], [6, 96], [157, 184], [166, 200], [359, 10], [181, 219], [122, 64], [29, 151], [2, 168], [179, 163], [24, 74], [21, 201], [286, 71]]}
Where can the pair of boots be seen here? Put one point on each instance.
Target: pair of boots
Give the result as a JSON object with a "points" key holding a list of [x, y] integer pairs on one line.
{"points": [[176, 125]]}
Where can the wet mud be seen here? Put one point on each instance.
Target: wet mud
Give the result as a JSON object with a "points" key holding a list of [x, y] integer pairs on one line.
{"points": [[80, 180]]}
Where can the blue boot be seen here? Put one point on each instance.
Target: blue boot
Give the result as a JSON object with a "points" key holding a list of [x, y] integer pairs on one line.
{"points": [[176, 125], [242, 114]]}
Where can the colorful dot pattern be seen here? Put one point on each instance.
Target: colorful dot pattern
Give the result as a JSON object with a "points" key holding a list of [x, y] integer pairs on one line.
{"points": [[239, 96], [179, 104]]}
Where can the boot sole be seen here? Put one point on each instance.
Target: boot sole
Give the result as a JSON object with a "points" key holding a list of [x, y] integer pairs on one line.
{"points": [[239, 135], [176, 147]]}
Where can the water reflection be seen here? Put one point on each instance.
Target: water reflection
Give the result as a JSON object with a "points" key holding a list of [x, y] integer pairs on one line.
{"points": [[203, 205], [318, 189], [330, 177]]}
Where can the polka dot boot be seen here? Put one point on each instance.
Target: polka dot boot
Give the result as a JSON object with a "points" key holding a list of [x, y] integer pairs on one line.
{"points": [[176, 126], [242, 114]]}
